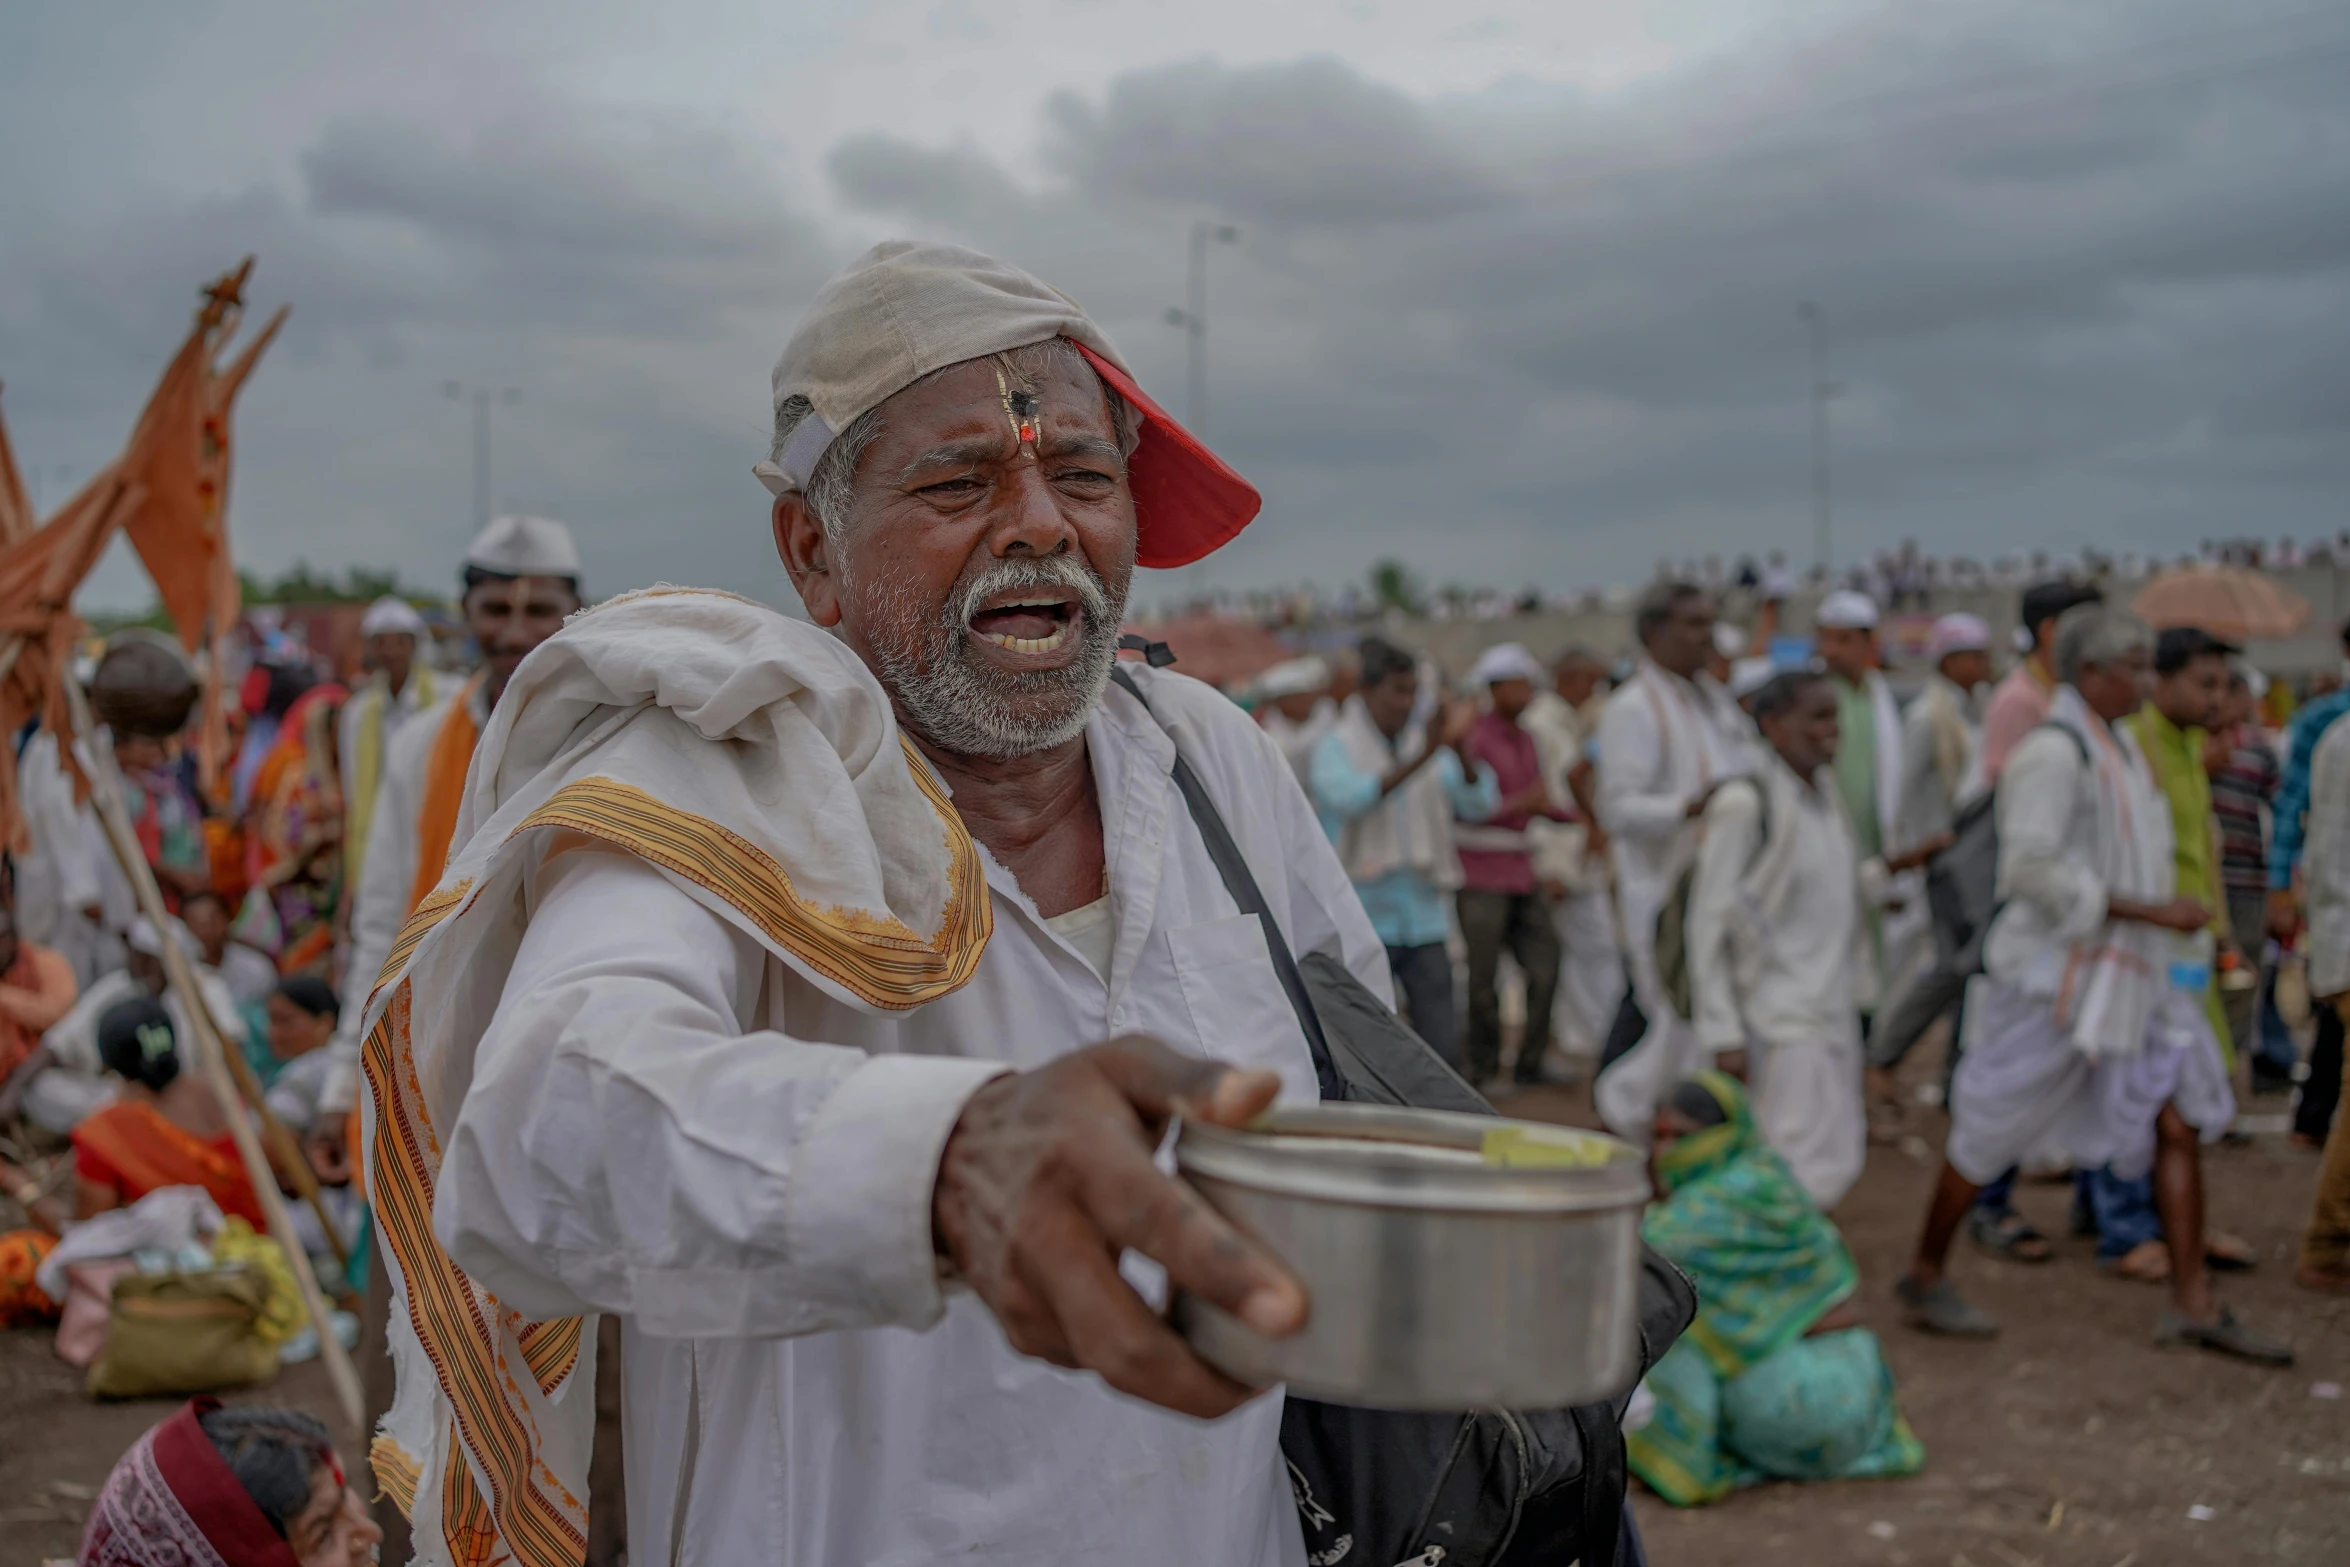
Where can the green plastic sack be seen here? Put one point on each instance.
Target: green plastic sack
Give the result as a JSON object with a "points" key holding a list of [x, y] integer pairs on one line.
{"points": [[174, 1334]]}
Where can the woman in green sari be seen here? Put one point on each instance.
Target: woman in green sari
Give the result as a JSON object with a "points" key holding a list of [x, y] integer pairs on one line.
{"points": [[1776, 1379]]}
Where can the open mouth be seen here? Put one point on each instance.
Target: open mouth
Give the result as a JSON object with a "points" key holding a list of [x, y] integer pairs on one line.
{"points": [[1033, 621]]}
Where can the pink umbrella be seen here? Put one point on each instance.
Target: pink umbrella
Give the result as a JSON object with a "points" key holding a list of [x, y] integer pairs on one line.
{"points": [[2228, 601]]}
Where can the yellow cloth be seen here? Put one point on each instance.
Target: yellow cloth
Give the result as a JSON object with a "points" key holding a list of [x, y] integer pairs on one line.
{"points": [[2176, 756], [282, 1314]]}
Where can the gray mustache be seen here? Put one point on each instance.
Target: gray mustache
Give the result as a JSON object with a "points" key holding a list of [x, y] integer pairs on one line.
{"points": [[1053, 571]]}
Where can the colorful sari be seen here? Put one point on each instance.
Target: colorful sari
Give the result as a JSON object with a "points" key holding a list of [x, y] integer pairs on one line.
{"points": [[1746, 1395], [172, 1501], [168, 822], [296, 791], [131, 1147]]}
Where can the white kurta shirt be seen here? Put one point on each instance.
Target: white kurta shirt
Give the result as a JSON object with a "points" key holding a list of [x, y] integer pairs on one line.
{"points": [[666, 1123], [1663, 742]]}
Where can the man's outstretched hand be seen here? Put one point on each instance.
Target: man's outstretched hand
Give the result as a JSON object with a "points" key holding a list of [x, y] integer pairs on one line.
{"points": [[1047, 1177]]}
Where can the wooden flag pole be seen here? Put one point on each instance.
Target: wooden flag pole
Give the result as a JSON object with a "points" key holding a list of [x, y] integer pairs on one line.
{"points": [[212, 1055], [281, 1142]]}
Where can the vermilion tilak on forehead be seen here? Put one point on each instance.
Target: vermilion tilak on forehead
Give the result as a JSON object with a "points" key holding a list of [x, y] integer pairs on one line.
{"points": [[1024, 410]]}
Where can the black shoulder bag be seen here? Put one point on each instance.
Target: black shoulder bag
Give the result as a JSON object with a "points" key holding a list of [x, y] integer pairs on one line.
{"points": [[1389, 1488]]}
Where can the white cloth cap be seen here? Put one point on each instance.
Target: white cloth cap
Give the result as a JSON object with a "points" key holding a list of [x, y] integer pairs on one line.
{"points": [[1730, 641], [1294, 677], [1958, 633], [1847, 609], [143, 937], [1750, 675], [1507, 661], [389, 615], [526, 547]]}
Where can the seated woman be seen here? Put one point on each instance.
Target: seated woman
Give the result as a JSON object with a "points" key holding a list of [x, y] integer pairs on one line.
{"points": [[303, 1013], [243, 1487], [1776, 1379], [166, 1128]]}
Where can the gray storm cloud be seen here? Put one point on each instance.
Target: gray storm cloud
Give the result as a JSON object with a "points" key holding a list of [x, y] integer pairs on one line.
{"points": [[2087, 284]]}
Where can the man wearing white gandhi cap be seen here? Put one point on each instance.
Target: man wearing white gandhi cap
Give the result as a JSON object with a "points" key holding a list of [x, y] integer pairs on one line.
{"points": [[1869, 777], [397, 689], [811, 996], [1296, 709]]}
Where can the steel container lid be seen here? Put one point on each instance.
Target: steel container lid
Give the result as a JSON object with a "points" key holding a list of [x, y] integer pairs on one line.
{"points": [[1396, 1157]]}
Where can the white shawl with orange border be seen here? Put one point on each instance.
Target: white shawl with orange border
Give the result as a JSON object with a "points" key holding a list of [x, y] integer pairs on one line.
{"points": [[813, 828]]}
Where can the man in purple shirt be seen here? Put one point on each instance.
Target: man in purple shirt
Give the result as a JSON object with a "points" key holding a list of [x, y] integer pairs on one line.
{"points": [[1501, 903]]}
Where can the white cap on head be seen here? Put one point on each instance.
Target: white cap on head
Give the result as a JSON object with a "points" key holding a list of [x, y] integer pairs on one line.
{"points": [[1294, 677], [143, 937], [1847, 609], [1750, 675], [1507, 661], [391, 615], [525, 547], [1958, 633]]}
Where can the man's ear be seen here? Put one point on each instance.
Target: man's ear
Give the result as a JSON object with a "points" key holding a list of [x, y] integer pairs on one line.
{"points": [[806, 554]]}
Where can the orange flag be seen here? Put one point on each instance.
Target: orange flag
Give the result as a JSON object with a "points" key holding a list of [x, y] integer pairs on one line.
{"points": [[169, 491], [178, 457]]}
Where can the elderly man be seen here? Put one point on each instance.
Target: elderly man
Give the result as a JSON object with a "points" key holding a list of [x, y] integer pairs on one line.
{"points": [[2020, 702], [1297, 710], [815, 1003], [396, 690], [1388, 796], [1668, 737], [1501, 901], [2077, 1025]]}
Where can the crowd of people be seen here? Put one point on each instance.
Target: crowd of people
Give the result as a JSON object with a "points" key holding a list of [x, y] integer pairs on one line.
{"points": [[281, 886], [747, 983], [1773, 877]]}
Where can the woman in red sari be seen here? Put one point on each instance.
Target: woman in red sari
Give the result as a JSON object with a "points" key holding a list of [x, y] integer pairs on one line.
{"points": [[218, 1487], [165, 1129]]}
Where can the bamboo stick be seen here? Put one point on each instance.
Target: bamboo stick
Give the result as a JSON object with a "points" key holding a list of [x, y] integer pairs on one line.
{"points": [[213, 1057]]}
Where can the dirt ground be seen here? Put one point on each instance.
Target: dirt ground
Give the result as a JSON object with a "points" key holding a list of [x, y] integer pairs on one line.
{"points": [[2071, 1442]]}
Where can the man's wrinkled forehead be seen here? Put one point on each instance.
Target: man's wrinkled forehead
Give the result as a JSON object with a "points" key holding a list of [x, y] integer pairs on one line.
{"points": [[1030, 404]]}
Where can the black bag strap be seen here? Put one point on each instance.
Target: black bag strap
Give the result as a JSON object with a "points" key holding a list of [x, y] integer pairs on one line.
{"points": [[1243, 886], [1603, 1483]]}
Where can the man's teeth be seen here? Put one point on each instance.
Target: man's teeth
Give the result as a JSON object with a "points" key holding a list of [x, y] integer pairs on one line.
{"points": [[1060, 635]]}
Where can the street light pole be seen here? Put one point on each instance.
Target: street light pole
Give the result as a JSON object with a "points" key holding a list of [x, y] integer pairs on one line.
{"points": [[1194, 320], [1815, 321], [481, 397]]}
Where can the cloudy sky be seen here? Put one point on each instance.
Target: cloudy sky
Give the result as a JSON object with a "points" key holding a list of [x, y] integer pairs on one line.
{"points": [[1513, 298]]}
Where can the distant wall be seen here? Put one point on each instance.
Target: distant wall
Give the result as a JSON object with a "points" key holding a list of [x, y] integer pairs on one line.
{"points": [[1455, 644]]}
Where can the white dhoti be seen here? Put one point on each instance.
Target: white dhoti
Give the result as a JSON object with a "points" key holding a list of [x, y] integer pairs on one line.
{"points": [[2022, 1083], [1807, 1100], [1591, 971]]}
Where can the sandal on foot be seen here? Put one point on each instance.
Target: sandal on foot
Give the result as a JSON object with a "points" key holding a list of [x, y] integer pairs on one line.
{"points": [[2225, 1253], [1940, 1308], [2226, 1335], [2008, 1235], [2148, 1262]]}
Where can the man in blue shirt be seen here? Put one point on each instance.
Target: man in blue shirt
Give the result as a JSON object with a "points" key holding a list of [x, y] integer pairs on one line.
{"points": [[1387, 794]]}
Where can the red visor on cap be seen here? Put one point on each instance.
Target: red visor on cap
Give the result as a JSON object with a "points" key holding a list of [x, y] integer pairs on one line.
{"points": [[1187, 503]]}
